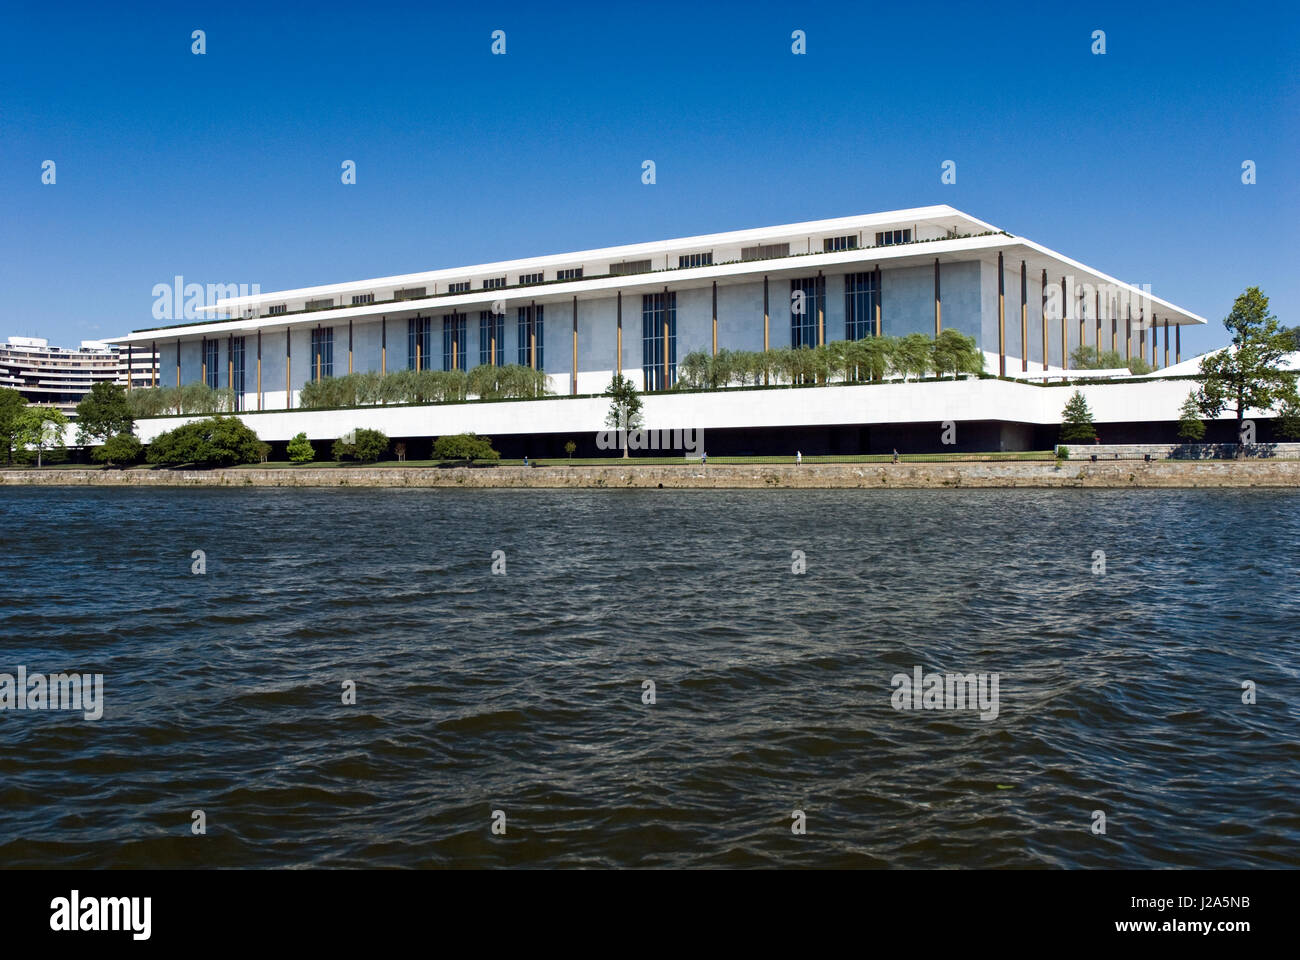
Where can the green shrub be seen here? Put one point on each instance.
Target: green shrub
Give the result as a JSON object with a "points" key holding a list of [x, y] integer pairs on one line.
{"points": [[464, 446], [119, 449], [1062, 452], [301, 450], [214, 442], [361, 444]]}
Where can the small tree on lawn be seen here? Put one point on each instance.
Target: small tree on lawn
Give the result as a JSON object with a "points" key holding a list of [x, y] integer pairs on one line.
{"points": [[569, 448], [1076, 421], [1248, 373], [301, 450], [624, 407], [42, 428], [1190, 427]]}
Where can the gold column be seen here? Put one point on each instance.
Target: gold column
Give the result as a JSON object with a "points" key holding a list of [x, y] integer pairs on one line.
{"points": [[1002, 320], [821, 309], [574, 388], [1042, 288], [880, 294], [618, 361], [938, 308], [1065, 329], [715, 318], [1024, 319]]}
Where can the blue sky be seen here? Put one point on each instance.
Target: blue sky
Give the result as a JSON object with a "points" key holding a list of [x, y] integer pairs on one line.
{"points": [[225, 168]]}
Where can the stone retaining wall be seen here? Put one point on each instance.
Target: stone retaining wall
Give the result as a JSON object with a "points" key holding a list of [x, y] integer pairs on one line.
{"points": [[1122, 473]]}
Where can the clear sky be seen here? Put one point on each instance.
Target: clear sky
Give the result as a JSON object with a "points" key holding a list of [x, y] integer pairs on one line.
{"points": [[225, 167]]}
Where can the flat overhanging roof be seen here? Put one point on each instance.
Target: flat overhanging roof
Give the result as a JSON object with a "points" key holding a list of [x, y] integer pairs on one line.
{"points": [[917, 253]]}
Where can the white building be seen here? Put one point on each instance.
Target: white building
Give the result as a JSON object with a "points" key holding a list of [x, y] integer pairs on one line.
{"points": [[639, 309], [61, 376]]}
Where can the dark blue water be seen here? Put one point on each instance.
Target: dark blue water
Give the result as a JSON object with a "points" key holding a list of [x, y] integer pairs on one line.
{"points": [[523, 692]]}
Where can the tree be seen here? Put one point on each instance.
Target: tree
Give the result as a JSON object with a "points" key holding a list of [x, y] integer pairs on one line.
{"points": [[1248, 373], [1287, 423], [301, 450], [1076, 425], [569, 448], [912, 355], [362, 445], [214, 442], [13, 413], [103, 412], [464, 446], [954, 352], [42, 428], [624, 407], [1190, 427], [119, 449]]}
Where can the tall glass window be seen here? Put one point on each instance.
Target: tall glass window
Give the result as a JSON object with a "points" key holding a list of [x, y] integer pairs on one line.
{"points": [[531, 326], [419, 337], [453, 342], [322, 352], [658, 309], [237, 370], [860, 295], [806, 299], [212, 362], [491, 327]]}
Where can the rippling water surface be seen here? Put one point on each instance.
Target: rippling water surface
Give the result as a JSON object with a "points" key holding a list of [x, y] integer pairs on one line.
{"points": [[523, 693]]}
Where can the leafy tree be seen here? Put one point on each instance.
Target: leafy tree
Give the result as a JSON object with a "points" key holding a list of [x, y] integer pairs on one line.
{"points": [[103, 412], [1287, 423], [912, 355], [954, 352], [13, 414], [624, 407], [362, 445], [464, 446], [1248, 372], [1190, 427], [1076, 425], [119, 449], [43, 429], [214, 442], [301, 450], [1138, 366], [569, 448]]}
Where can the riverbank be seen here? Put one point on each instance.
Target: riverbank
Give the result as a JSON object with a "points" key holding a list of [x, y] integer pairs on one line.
{"points": [[1103, 474]]}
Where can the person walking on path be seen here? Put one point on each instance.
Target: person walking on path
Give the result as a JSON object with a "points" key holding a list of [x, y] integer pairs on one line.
{"points": [[896, 455], [798, 458]]}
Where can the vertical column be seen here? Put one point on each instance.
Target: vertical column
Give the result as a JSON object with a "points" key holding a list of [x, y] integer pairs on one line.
{"points": [[821, 309], [493, 318], [1002, 319], [1065, 328], [1178, 344], [765, 314], [666, 384], [618, 361], [383, 346], [1024, 318], [1128, 333], [880, 329], [1167, 343], [1042, 311], [230, 364], [573, 391], [532, 335], [1155, 336], [203, 365], [938, 307], [288, 368], [259, 369], [1114, 326], [317, 351], [715, 318], [1096, 312], [349, 344], [178, 363], [1142, 335]]}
